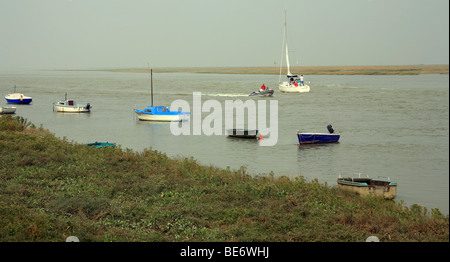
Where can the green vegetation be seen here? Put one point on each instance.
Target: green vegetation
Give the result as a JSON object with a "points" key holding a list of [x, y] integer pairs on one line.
{"points": [[51, 189]]}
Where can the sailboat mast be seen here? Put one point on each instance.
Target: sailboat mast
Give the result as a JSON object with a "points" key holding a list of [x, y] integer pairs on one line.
{"points": [[282, 46], [287, 51], [287, 61], [151, 84]]}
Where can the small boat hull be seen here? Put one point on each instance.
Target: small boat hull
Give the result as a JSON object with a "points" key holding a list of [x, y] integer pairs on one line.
{"points": [[7, 110], [18, 99], [72, 109], [70, 106], [367, 186], [285, 87], [162, 118], [101, 144], [161, 114], [317, 138], [262, 93], [242, 133]]}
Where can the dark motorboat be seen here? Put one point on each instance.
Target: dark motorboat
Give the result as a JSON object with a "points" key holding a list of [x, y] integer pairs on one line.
{"points": [[242, 133], [267, 92], [316, 138]]}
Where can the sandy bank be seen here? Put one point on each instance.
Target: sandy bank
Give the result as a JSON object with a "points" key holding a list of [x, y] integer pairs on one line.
{"points": [[316, 70]]}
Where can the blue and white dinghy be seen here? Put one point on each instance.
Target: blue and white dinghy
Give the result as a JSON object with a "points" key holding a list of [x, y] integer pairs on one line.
{"points": [[160, 113], [317, 138], [18, 98]]}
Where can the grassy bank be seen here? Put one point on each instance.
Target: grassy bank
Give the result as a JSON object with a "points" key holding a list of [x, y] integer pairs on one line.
{"points": [[51, 189], [316, 70]]}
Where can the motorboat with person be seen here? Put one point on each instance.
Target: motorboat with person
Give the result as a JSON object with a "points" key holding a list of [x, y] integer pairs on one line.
{"points": [[263, 91]]}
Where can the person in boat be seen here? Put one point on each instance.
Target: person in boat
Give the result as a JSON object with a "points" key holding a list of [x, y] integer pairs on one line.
{"points": [[263, 87], [301, 79]]}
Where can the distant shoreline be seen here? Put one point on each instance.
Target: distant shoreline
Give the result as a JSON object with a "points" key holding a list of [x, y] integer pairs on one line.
{"points": [[313, 70]]}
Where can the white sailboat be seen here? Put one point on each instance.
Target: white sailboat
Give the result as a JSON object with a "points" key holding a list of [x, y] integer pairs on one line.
{"points": [[294, 83], [160, 113]]}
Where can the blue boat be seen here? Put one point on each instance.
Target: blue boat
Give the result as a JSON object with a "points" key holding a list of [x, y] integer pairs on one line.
{"points": [[317, 138], [160, 113], [17, 98]]}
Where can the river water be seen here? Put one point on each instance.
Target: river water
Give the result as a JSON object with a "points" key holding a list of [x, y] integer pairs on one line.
{"points": [[394, 126]]}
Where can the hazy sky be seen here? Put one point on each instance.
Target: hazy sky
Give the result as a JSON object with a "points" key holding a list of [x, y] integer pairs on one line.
{"points": [[201, 33]]}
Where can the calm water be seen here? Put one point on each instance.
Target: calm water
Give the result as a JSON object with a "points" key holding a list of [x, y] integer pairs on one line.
{"points": [[395, 126]]}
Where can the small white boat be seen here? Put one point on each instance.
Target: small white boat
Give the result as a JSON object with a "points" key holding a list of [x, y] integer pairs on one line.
{"points": [[7, 110], [70, 106], [294, 83]]}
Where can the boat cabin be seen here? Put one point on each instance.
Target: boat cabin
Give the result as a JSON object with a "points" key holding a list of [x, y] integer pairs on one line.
{"points": [[67, 103], [295, 80], [156, 109]]}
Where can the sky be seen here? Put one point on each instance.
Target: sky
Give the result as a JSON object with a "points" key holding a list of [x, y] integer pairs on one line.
{"points": [[221, 33]]}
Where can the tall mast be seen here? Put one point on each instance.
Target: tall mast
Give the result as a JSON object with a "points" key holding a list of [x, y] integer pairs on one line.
{"points": [[287, 51], [151, 83], [282, 46]]}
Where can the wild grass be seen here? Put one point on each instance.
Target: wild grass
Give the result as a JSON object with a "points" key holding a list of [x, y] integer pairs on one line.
{"points": [[51, 189]]}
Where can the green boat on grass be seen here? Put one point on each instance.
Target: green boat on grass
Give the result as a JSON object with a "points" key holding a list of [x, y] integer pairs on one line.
{"points": [[101, 144], [384, 188]]}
